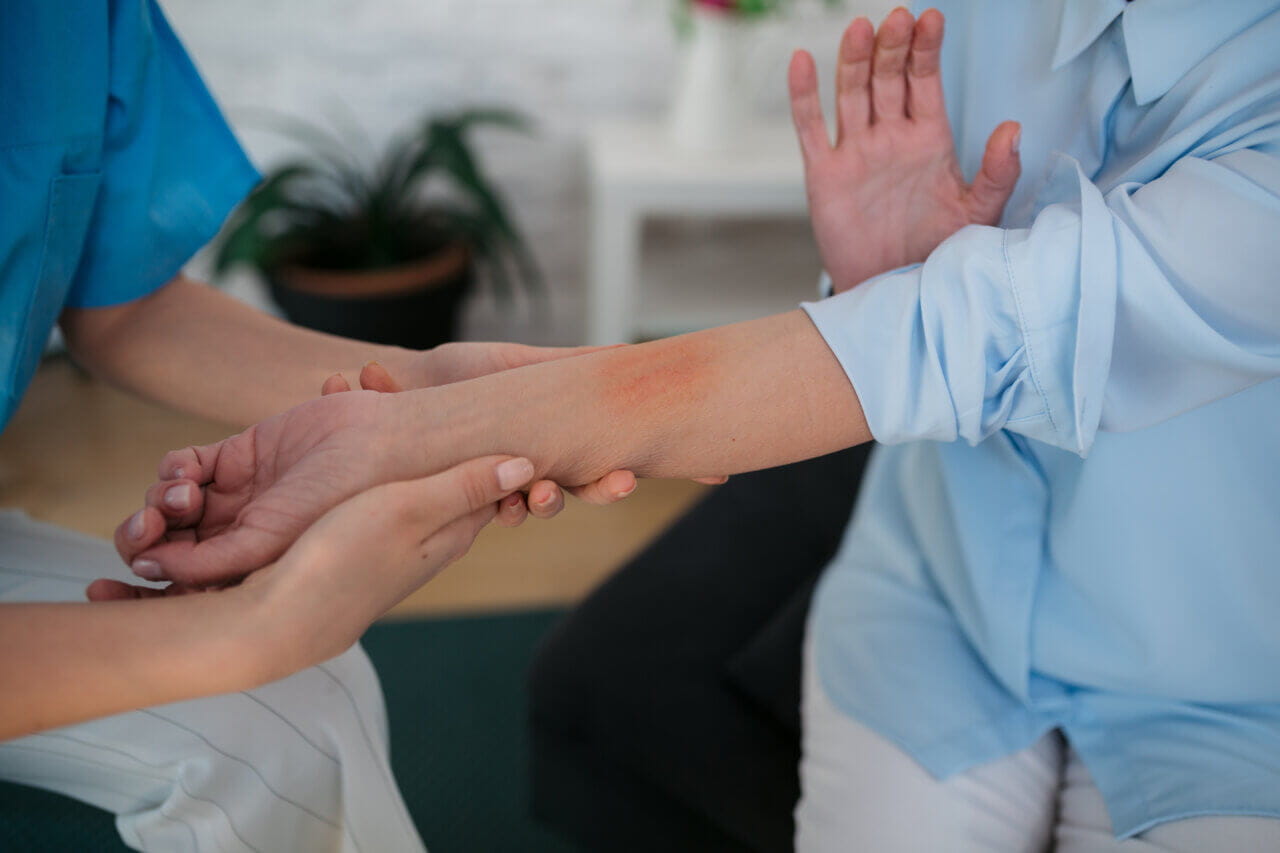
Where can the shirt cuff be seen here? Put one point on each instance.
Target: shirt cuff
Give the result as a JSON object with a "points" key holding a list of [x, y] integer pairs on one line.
{"points": [[936, 351]]}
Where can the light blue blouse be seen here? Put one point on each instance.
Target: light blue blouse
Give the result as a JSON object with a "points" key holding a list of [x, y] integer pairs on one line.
{"points": [[1101, 552], [115, 166]]}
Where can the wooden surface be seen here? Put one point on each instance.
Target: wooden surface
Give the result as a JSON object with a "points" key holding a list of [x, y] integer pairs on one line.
{"points": [[81, 454]]}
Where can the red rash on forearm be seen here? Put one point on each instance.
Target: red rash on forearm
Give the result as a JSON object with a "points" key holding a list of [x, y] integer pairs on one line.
{"points": [[723, 401], [639, 380]]}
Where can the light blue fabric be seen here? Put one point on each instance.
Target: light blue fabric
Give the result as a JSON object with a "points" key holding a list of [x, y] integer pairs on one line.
{"points": [[1078, 522], [115, 166]]}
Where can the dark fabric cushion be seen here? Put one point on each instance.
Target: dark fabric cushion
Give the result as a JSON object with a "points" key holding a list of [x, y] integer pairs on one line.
{"points": [[682, 671], [765, 669]]}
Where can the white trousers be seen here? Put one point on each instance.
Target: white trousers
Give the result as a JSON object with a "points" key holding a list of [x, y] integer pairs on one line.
{"points": [[298, 765], [862, 794]]}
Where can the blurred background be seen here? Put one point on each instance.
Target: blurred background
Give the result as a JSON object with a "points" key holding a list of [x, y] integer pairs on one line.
{"points": [[569, 65]]}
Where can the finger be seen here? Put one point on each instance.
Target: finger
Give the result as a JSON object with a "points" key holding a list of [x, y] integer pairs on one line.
{"points": [[138, 532], [806, 108], [191, 463], [375, 377], [242, 549], [711, 481], [924, 68], [181, 502], [545, 499], [610, 488], [335, 384], [995, 181], [888, 66], [104, 589], [853, 79], [225, 558], [465, 488], [512, 510]]}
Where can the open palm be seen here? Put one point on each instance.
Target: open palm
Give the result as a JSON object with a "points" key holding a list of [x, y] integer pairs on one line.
{"points": [[257, 491], [890, 189]]}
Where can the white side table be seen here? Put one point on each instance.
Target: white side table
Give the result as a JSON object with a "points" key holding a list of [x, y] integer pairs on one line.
{"points": [[636, 173]]}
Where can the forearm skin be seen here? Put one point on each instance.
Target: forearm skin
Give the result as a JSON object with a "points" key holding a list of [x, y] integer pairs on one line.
{"points": [[64, 663], [737, 398], [193, 347]]}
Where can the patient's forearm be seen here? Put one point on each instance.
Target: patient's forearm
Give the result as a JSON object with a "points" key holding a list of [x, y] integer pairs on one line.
{"points": [[736, 398]]}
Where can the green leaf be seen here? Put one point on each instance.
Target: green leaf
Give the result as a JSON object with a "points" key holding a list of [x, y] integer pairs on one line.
{"points": [[328, 208]]}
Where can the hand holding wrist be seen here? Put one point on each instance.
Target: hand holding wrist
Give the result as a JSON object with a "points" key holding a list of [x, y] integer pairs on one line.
{"points": [[364, 556]]}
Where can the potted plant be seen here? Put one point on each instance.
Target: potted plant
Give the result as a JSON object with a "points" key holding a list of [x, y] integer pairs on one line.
{"points": [[385, 252]]}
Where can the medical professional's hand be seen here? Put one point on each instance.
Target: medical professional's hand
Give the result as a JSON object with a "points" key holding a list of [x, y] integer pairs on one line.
{"points": [[890, 189], [460, 361], [362, 557]]}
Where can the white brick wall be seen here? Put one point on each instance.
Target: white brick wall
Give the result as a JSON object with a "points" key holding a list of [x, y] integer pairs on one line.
{"points": [[380, 64]]}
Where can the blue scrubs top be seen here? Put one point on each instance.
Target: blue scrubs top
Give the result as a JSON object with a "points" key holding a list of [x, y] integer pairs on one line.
{"points": [[1076, 521], [115, 166]]}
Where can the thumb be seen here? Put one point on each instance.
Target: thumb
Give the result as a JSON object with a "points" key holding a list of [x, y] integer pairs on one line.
{"points": [[375, 377], [996, 179], [468, 487]]}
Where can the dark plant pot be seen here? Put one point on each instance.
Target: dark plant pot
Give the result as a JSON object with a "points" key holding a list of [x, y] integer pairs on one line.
{"points": [[413, 305]]}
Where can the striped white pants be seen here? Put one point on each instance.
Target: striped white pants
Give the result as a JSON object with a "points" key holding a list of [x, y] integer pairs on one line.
{"points": [[297, 765]]}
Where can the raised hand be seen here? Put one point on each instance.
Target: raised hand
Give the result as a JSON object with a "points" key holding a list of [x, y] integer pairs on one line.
{"points": [[890, 189]]}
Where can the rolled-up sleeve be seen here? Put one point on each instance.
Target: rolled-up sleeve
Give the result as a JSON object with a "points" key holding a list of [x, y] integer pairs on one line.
{"points": [[171, 169], [1110, 312]]}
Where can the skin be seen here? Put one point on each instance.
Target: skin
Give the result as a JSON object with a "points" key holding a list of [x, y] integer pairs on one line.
{"points": [[730, 399], [252, 366], [890, 189], [357, 561], [281, 513], [545, 498], [725, 400]]}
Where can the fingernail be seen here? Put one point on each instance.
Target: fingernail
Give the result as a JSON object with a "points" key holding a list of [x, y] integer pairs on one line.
{"points": [[1017, 140], [177, 497], [514, 472], [624, 493], [148, 569], [178, 474], [137, 525]]}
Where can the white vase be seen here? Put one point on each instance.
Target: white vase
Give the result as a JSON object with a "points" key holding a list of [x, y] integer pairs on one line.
{"points": [[712, 108]]}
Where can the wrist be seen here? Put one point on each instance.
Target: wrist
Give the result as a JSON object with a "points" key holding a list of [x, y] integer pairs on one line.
{"points": [[273, 626], [431, 429]]}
